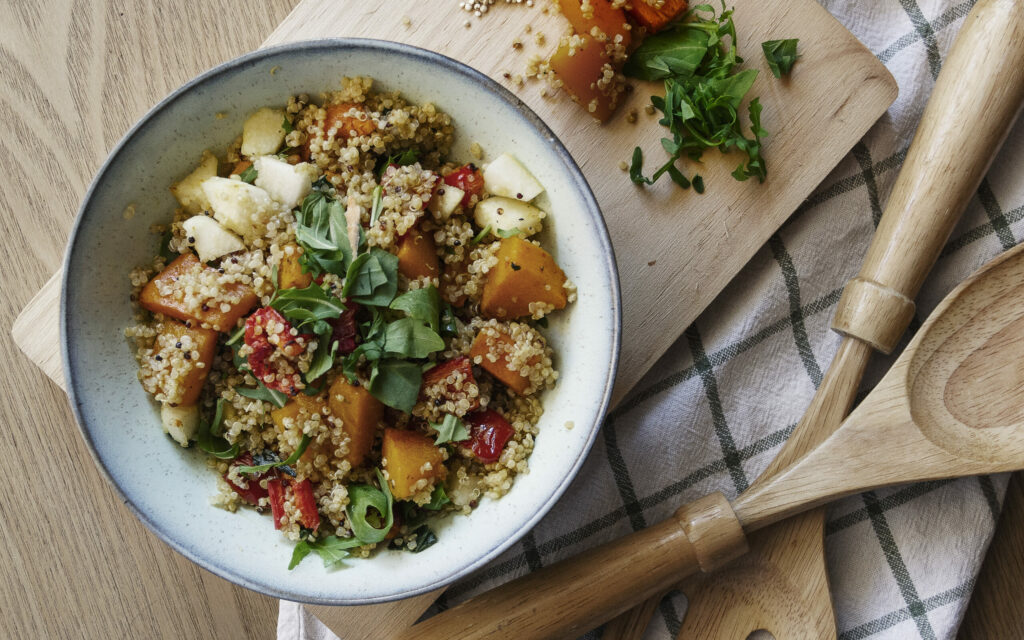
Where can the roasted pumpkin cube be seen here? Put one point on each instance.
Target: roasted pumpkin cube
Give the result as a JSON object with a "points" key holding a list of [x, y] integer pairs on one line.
{"points": [[525, 276], [417, 255], [289, 272], [360, 413], [452, 383], [608, 20], [581, 69], [188, 374], [301, 407], [499, 345], [346, 122], [239, 298], [653, 18], [412, 461]]}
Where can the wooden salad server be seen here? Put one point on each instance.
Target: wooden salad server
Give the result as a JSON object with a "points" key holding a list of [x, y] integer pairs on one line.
{"points": [[982, 76], [782, 584]]}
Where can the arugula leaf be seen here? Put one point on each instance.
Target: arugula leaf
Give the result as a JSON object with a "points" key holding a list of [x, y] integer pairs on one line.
{"points": [[422, 304], [261, 392], [323, 357], [249, 174], [781, 55], [332, 550], [292, 459], [410, 338], [208, 436], [396, 383], [438, 498], [363, 497], [666, 54], [305, 306], [449, 327], [322, 231], [425, 538], [451, 429], [372, 278]]}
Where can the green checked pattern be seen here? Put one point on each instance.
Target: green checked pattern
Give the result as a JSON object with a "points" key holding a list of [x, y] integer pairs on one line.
{"points": [[715, 409]]}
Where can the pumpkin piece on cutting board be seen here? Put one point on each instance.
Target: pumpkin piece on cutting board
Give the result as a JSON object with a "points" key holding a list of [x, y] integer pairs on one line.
{"points": [[417, 255], [289, 272], [600, 44], [239, 298], [188, 375], [412, 462], [360, 413], [655, 18], [525, 276]]}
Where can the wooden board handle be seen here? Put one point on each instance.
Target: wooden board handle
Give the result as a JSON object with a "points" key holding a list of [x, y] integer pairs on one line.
{"points": [[575, 595], [976, 98]]}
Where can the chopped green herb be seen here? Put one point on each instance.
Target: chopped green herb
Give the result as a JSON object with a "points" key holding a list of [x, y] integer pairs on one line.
{"points": [[303, 307], [322, 231], [292, 459], [209, 439], [508, 233], [396, 383], [697, 60], [261, 392], [781, 55], [410, 338], [372, 278], [698, 183], [367, 526], [423, 537], [451, 429], [449, 326], [438, 498], [478, 238], [248, 174], [332, 550], [287, 125], [422, 304], [377, 206]]}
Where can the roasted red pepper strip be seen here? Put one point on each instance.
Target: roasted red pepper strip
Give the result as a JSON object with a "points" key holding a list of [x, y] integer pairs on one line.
{"points": [[267, 330], [309, 516], [254, 491], [437, 374], [275, 490], [488, 434], [469, 179], [345, 333]]}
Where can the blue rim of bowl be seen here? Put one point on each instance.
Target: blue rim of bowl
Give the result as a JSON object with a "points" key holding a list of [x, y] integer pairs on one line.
{"points": [[579, 183]]}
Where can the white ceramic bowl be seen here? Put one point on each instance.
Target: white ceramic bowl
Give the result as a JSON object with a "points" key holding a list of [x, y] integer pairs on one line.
{"points": [[168, 487]]}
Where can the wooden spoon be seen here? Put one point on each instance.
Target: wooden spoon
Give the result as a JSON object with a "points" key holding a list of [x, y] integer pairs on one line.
{"points": [[782, 585], [952, 405]]}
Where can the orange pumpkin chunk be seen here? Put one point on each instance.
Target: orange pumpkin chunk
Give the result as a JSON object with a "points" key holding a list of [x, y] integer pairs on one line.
{"points": [[289, 273], [338, 116], [499, 346], [655, 19], [610, 21], [525, 275], [417, 255], [190, 375], [301, 407], [164, 294], [412, 461], [360, 413]]}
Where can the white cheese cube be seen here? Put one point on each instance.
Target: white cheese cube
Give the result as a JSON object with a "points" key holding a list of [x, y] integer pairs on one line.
{"points": [[263, 132], [189, 191], [211, 240], [286, 183], [505, 214], [445, 200], [180, 422], [507, 177], [241, 207]]}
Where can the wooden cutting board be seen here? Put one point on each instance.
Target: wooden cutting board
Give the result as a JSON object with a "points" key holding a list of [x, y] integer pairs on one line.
{"points": [[676, 250]]}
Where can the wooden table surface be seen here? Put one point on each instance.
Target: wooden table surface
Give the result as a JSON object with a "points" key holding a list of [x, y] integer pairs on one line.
{"points": [[75, 562]]}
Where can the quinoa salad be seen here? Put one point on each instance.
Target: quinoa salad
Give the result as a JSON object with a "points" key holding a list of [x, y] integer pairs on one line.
{"points": [[349, 323]]}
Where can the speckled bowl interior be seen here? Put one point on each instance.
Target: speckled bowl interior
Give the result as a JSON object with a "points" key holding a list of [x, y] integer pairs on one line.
{"points": [[168, 487]]}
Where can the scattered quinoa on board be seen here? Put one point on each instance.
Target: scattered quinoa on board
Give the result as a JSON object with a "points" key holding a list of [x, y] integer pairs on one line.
{"points": [[349, 322]]}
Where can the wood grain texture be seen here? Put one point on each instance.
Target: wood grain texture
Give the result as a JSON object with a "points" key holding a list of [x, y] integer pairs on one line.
{"points": [[74, 76]]}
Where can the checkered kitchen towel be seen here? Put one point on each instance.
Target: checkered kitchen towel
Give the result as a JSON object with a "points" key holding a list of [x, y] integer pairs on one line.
{"points": [[716, 408]]}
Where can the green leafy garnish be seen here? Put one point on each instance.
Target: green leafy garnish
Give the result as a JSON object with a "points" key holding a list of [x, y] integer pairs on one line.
{"points": [[322, 231], [424, 538], [332, 550], [508, 233], [208, 436], [451, 429], [405, 158], [697, 60], [236, 336], [438, 498], [501, 233], [396, 383], [372, 278], [449, 328], [377, 205], [303, 307], [292, 459], [248, 174], [287, 125], [410, 338], [363, 497], [781, 55], [422, 304], [265, 394]]}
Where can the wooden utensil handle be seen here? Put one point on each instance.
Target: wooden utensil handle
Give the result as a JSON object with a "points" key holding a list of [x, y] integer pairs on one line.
{"points": [[572, 596], [976, 98]]}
